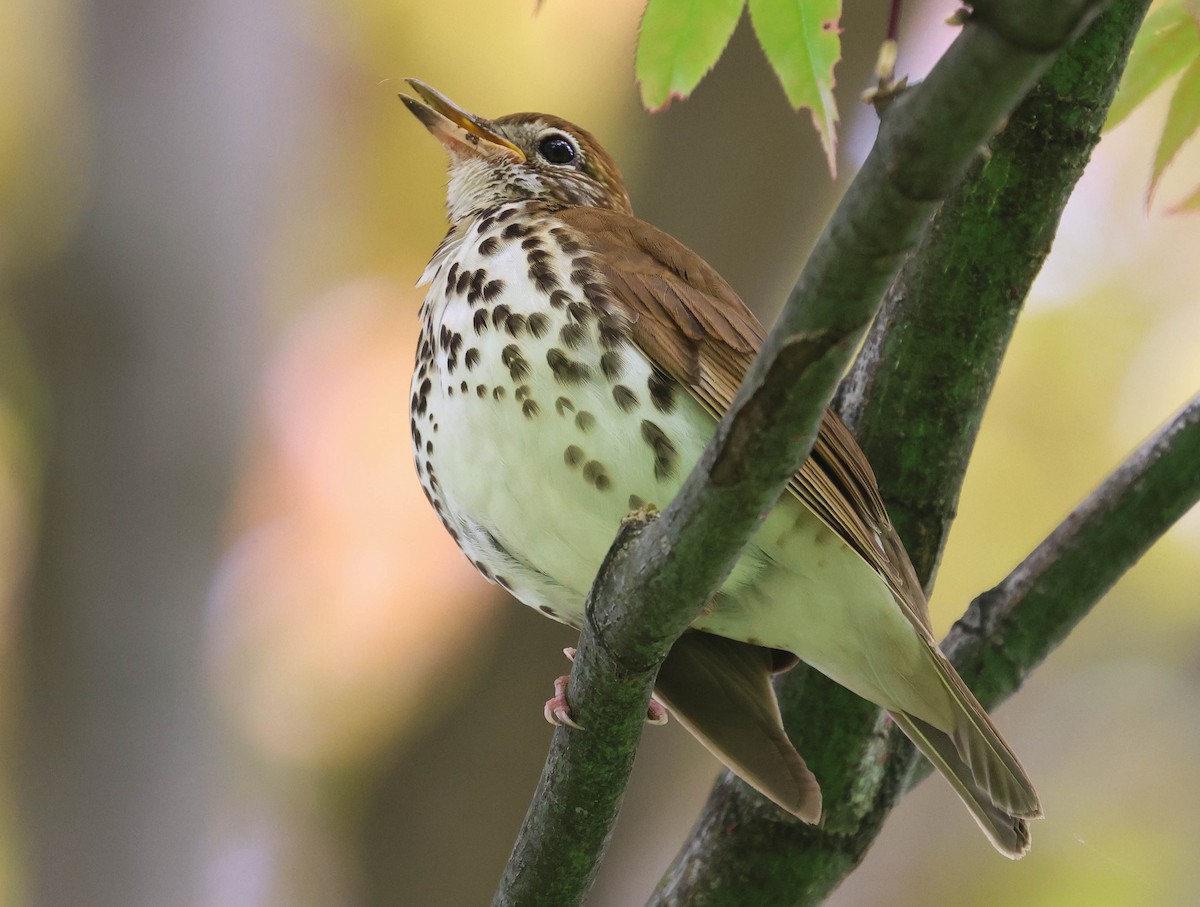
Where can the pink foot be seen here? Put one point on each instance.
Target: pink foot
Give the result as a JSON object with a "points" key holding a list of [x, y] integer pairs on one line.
{"points": [[656, 712], [557, 710]]}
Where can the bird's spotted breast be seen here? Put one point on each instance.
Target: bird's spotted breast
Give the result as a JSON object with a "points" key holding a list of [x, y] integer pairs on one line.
{"points": [[550, 425]]}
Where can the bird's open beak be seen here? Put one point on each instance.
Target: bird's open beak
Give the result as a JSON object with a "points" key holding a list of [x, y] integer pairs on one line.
{"points": [[459, 131]]}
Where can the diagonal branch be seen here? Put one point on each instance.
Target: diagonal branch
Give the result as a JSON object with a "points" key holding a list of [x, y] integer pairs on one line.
{"points": [[1004, 634], [660, 573], [1008, 630], [916, 396]]}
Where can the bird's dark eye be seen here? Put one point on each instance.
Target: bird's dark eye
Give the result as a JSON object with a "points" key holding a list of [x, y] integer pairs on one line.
{"points": [[557, 149]]}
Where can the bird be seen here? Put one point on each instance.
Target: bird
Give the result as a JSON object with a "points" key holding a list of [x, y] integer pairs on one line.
{"points": [[573, 362]]}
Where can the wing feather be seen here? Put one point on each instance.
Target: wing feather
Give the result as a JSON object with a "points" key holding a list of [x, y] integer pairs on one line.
{"points": [[689, 321]]}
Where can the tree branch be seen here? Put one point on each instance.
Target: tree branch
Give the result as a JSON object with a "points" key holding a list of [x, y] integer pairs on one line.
{"points": [[1003, 635], [1008, 630], [916, 394], [677, 562]]}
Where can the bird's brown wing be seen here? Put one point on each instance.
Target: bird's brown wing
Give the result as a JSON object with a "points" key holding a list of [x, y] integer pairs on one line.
{"points": [[690, 322]]}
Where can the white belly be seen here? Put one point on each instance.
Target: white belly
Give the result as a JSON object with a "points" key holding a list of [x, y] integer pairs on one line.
{"points": [[535, 437]]}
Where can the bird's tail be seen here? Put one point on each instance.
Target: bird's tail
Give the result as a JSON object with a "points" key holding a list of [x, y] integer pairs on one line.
{"points": [[720, 690], [979, 765]]}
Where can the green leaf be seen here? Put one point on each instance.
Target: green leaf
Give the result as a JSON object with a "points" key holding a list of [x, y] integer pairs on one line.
{"points": [[1188, 205], [801, 40], [1183, 119], [680, 41], [1167, 42]]}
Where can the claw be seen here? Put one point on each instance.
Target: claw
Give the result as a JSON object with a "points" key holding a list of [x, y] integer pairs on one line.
{"points": [[656, 712], [558, 710]]}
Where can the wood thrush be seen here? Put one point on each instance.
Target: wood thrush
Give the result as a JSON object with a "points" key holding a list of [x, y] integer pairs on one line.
{"points": [[572, 366]]}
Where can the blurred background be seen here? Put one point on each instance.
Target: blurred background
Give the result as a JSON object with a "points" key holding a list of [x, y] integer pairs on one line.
{"points": [[240, 662]]}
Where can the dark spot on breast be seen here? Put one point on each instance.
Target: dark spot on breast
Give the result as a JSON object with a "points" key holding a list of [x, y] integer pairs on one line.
{"points": [[521, 393], [423, 396], [505, 214], [565, 369], [488, 246], [594, 293], [666, 458], [530, 408], [416, 432], [428, 448], [611, 364], [485, 224], [451, 276], [463, 387], [518, 368], [612, 334], [480, 321], [500, 315], [626, 399], [593, 471], [517, 231], [532, 242], [584, 420], [543, 277], [538, 324], [572, 335], [471, 358], [498, 392], [559, 298], [581, 312], [464, 281], [563, 406], [483, 570], [492, 289], [563, 237], [504, 583], [573, 456], [662, 395], [514, 325], [481, 391]]}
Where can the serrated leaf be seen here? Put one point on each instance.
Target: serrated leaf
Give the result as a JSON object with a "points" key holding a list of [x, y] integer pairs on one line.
{"points": [[1183, 119], [1167, 42], [801, 41], [680, 41]]}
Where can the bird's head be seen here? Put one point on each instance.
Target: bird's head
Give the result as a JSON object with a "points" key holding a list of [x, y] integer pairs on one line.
{"points": [[520, 156]]}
